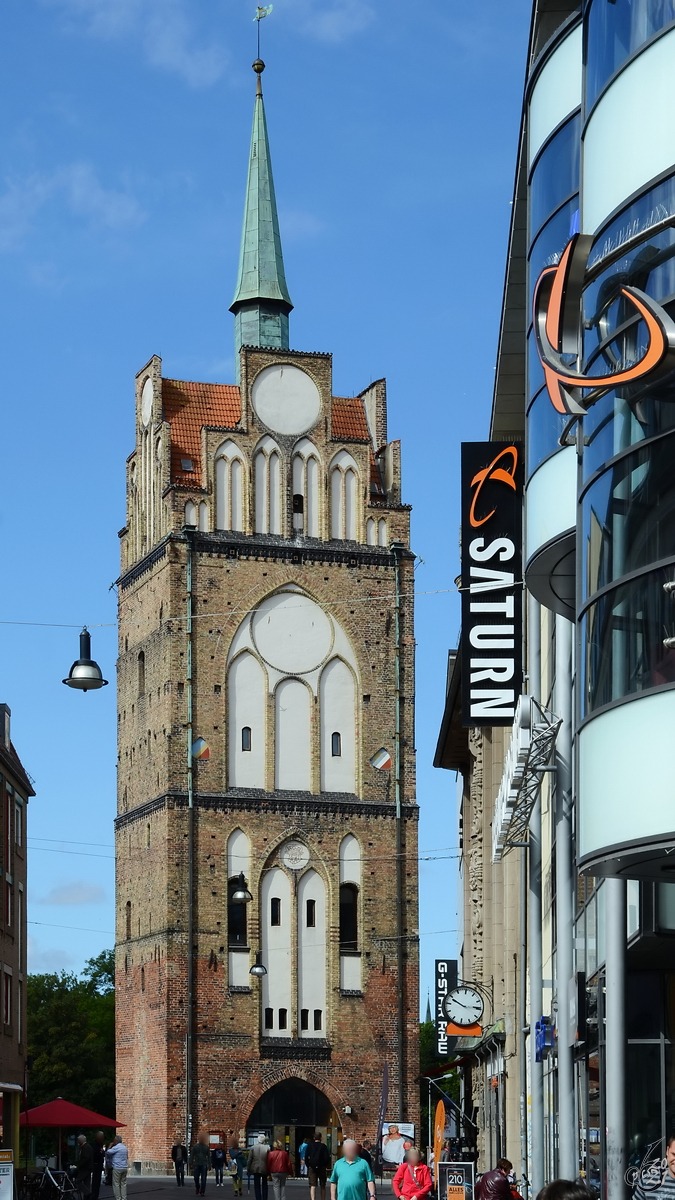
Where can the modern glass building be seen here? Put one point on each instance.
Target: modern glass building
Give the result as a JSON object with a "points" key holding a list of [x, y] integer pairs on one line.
{"points": [[586, 379]]}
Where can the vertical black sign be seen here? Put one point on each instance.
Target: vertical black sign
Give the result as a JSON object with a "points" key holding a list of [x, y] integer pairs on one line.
{"points": [[492, 504], [445, 981]]}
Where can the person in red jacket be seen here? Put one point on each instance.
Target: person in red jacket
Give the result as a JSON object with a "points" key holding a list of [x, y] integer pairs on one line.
{"points": [[413, 1178], [279, 1166]]}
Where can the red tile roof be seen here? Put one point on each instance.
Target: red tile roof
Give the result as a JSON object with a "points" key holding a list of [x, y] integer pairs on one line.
{"points": [[187, 408], [349, 419]]}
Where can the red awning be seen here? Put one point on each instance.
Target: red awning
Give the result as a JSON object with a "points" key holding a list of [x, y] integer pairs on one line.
{"points": [[62, 1114]]}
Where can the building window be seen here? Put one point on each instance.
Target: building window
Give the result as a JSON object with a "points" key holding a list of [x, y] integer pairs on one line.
{"points": [[283, 1018], [236, 916], [311, 914], [275, 911], [8, 903], [142, 979], [304, 1018], [18, 825], [147, 835], [348, 917], [269, 1018], [336, 745], [141, 673], [317, 1018], [128, 919], [246, 737], [19, 1003], [7, 999], [229, 488]]}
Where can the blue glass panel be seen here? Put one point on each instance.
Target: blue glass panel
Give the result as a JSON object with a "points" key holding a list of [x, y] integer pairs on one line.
{"points": [[650, 209], [628, 516], [544, 429], [535, 371], [611, 426], [615, 30], [556, 174], [548, 247], [649, 266], [622, 637]]}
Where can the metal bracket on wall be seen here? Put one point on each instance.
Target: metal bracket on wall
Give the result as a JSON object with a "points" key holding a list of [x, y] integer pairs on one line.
{"points": [[535, 729]]}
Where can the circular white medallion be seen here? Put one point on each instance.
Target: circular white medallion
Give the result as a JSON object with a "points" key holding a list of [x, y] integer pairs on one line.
{"points": [[295, 856], [292, 633], [286, 399], [146, 402]]}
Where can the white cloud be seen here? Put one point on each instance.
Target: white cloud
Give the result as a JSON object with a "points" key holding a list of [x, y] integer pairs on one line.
{"points": [[74, 894], [333, 21], [78, 186], [160, 27], [48, 960]]}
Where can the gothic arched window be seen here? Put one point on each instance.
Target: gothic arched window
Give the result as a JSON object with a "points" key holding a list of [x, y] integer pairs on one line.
{"points": [[344, 497], [229, 487], [267, 474]]}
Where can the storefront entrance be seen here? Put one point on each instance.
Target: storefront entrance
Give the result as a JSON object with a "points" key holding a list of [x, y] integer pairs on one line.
{"points": [[290, 1113]]}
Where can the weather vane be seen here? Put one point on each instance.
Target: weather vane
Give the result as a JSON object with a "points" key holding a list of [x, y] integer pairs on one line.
{"points": [[261, 12]]}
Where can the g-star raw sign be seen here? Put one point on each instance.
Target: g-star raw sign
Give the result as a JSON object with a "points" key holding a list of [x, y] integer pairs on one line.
{"points": [[492, 495], [445, 981]]}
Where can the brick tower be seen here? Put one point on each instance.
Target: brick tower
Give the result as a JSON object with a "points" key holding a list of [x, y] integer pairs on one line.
{"points": [[265, 690]]}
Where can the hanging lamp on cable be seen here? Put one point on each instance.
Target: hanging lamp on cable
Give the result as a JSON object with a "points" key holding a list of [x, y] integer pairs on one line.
{"points": [[85, 674]]}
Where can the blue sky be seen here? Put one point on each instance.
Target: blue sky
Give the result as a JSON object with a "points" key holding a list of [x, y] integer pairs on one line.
{"points": [[124, 132]]}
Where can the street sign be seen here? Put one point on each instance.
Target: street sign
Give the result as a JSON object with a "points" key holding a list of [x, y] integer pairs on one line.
{"points": [[455, 1181]]}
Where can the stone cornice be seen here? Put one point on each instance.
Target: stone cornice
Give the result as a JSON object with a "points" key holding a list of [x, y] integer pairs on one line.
{"points": [[255, 800]]}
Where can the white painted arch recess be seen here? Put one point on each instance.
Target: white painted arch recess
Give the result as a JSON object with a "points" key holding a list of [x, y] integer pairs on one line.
{"points": [[276, 950], [626, 777], [629, 138], [551, 500], [557, 91], [338, 717], [312, 954], [246, 706]]}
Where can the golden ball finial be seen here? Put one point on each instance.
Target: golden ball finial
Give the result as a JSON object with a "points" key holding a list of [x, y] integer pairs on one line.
{"points": [[258, 66]]}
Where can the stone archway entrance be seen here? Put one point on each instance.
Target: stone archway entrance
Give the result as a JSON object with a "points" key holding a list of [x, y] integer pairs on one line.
{"points": [[290, 1112]]}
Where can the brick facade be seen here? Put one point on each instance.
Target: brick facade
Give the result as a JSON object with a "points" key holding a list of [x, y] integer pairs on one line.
{"points": [[233, 571]]}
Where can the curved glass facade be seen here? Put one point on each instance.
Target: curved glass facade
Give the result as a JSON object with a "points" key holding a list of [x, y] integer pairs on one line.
{"points": [[646, 212], [615, 29], [545, 427], [555, 175], [549, 244]]}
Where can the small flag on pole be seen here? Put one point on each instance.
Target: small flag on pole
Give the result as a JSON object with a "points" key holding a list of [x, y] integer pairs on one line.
{"points": [[261, 12], [381, 761]]}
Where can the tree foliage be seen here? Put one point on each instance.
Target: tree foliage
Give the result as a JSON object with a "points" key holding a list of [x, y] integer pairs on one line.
{"points": [[71, 1036], [432, 1064]]}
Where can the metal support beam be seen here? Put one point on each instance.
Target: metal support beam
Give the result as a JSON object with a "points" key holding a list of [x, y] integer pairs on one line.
{"points": [[615, 1037], [567, 1154]]}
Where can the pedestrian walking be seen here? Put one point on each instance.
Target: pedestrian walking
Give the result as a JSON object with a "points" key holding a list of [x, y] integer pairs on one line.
{"points": [[318, 1162], [84, 1165], [98, 1161], [279, 1166], [494, 1185], [351, 1178], [117, 1158], [179, 1156], [302, 1150], [237, 1160], [200, 1159], [257, 1166], [218, 1163], [413, 1178]]}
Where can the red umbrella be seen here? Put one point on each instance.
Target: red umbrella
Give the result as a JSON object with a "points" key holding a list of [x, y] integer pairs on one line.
{"points": [[59, 1114]]}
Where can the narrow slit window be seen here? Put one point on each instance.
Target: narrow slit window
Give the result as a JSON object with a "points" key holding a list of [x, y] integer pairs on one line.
{"points": [[246, 737], [128, 919], [304, 1018], [142, 979], [318, 1015], [283, 1018], [336, 745], [269, 1018], [311, 914], [275, 911]]}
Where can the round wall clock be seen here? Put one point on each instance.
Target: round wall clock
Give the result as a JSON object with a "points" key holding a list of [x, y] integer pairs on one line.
{"points": [[464, 1005]]}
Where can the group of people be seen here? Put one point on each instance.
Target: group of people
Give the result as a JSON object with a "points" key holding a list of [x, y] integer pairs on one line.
{"points": [[351, 1178], [93, 1159]]}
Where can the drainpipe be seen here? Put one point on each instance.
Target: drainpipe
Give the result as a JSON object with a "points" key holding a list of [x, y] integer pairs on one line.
{"points": [[189, 1047], [615, 1037], [397, 549], [567, 1156], [534, 930]]}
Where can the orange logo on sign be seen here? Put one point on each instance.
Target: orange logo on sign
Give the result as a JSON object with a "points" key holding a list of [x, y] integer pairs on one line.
{"points": [[556, 315], [498, 475]]}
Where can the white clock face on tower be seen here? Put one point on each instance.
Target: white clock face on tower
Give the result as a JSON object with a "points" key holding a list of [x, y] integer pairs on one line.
{"points": [[286, 399], [464, 1006], [146, 402]]}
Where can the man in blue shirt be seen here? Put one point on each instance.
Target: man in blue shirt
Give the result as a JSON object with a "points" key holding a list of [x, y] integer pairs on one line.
{"points": [[352, 1178]]}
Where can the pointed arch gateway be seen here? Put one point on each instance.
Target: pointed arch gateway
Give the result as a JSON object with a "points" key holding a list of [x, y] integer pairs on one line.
{"points": [[301, 1105]]}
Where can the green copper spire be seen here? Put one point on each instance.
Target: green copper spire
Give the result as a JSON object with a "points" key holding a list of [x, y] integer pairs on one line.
{"points": [[261, 301]]}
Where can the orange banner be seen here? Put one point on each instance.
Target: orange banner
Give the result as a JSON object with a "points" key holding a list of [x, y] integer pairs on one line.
{"points": [[439, 1135]]}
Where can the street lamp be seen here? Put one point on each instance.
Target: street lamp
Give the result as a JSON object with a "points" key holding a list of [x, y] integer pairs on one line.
{"points": [[241, 894], [85, 674], [258, 970]]}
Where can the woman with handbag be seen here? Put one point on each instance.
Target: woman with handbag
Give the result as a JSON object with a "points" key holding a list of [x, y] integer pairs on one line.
{"points": [[413, 1178]]}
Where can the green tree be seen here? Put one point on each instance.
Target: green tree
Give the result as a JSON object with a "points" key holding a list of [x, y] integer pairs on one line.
{"points": [[431, 1064], [71, 1036]]}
